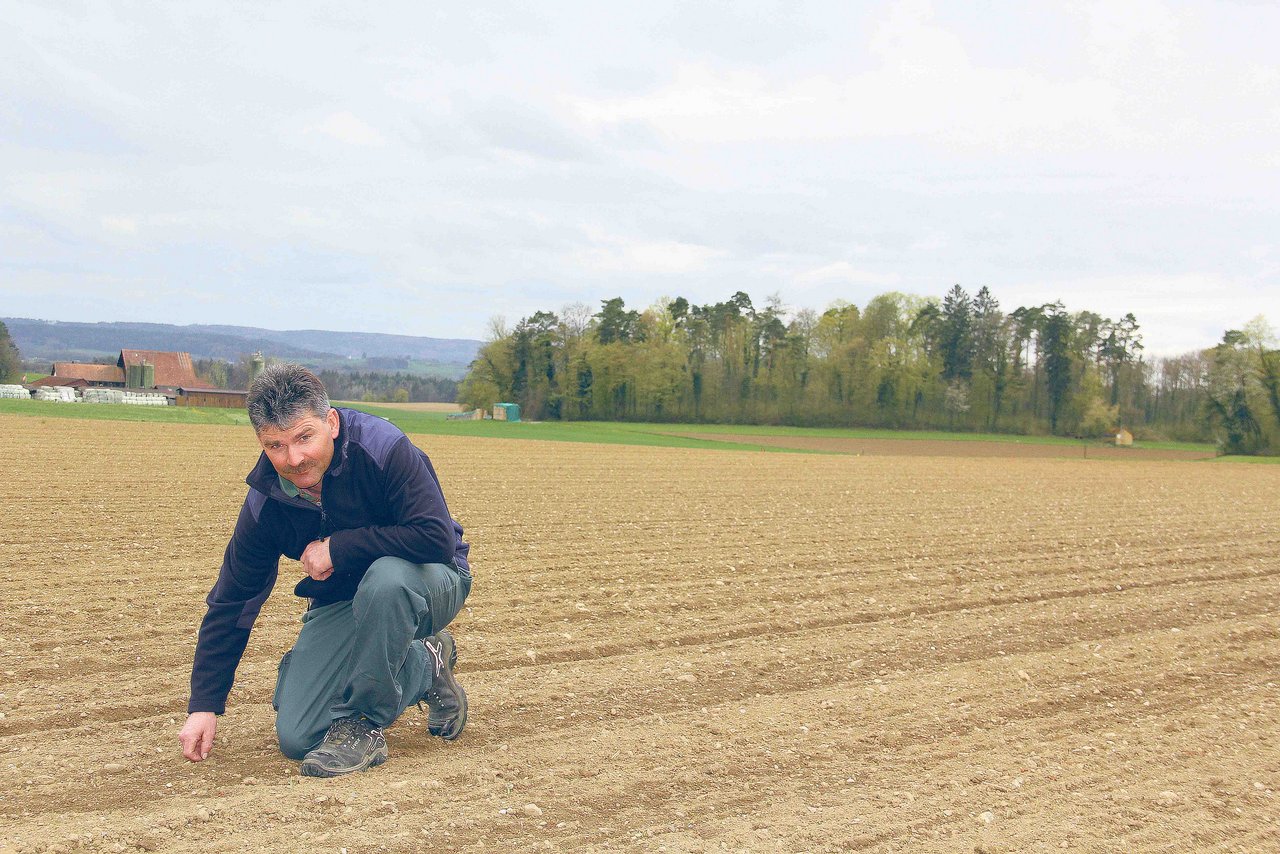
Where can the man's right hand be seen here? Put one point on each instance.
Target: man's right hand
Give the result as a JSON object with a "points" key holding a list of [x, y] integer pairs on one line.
{"points": [[196, 736]]}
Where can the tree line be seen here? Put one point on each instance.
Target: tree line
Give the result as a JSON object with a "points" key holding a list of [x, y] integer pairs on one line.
{"points": [[368, 386], [900, 361]]}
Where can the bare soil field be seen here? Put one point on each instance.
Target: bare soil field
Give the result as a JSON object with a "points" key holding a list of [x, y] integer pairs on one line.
{"points": [[673, 650]]}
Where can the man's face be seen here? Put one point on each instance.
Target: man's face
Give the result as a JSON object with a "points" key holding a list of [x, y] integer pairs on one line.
{"points": [[301, 452]]}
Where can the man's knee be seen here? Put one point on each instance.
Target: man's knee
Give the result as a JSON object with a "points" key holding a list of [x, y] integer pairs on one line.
{"points": [[393, 575], [386, 576], [294, 743]]}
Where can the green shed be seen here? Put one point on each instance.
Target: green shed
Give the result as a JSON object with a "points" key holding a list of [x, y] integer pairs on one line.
{"points": [[506, 412]]}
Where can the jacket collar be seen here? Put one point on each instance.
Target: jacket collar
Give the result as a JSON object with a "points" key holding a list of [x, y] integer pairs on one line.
{"points": [[339, 462]]}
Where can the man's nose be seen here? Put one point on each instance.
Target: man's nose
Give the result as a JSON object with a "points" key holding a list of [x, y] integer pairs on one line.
{"points": [[294, 457]]}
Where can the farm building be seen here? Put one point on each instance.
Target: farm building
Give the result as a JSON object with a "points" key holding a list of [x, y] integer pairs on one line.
{"points": [[217, 398], [80, 375], [133, 369], [62, 382], [169, 374]]}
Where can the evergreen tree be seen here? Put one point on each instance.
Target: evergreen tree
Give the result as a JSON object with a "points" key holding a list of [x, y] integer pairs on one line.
{"points": [[956, 337], [10, 359], [1056, 333], [991, 346], [615, 323]]}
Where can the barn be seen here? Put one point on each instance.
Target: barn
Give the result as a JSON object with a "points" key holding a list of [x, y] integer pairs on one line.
{"points": [[82, 375], [169, 373], [149, 369], [218, 398]]}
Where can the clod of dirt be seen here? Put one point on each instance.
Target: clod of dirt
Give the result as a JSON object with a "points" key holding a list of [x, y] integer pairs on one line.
{"points": [[986, 817], [532, 810], [113, 768]]}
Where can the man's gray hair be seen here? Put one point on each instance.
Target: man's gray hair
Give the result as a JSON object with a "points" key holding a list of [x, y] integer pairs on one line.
{"points": [[282, 394]]}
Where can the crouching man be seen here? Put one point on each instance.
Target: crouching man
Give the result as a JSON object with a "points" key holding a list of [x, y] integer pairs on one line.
{"points": [[349, 496]]}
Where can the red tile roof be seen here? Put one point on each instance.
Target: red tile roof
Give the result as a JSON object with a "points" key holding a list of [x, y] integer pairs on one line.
{"points": [[173, 369], [70, 382], [85, 371]]}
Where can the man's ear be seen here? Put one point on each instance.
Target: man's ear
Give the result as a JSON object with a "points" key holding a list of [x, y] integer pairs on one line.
{"points": [[332, 418]]}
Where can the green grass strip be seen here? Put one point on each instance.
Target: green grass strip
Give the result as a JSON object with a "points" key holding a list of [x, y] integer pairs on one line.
{"points": [[125, 412], [714, 436], [689, 435]]}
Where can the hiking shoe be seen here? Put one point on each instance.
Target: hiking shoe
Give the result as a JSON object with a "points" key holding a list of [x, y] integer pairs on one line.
{"points": [[351, 744], [445, 699]]}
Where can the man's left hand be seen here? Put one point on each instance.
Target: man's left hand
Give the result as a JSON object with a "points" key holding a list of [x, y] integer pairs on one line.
{"points": [[316, 561]]}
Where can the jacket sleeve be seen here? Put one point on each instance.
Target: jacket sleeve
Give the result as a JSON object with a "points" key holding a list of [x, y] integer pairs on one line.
{"points": [[423, 531], [248, 573]]}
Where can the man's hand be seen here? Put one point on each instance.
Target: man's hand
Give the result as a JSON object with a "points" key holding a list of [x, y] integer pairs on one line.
{"points": [[196, 736], [316, 561]]}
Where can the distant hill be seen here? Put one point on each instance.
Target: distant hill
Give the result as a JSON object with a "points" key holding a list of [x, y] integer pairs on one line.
{"points": [[53, 340]]}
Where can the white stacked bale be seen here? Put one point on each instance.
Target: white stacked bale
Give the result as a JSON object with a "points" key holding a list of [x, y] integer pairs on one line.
{"points": [[103, 395], [14, 392], [59, 393], [144, 398]]}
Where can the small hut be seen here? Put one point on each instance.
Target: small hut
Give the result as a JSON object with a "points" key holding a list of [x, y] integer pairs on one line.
{"points": [[1124, 439]]}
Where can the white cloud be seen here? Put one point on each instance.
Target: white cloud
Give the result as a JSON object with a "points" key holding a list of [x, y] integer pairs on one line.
{"points": [[925, 86], [120, 225], [1133, 91], [842, 273], [618, 254], [346, 127]]}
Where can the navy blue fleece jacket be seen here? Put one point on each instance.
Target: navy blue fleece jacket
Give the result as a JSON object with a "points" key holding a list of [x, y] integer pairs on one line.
{"points": [[380, 497]]}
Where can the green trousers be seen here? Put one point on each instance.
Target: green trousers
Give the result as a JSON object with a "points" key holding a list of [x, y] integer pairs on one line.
{"points": [[365, 656]]}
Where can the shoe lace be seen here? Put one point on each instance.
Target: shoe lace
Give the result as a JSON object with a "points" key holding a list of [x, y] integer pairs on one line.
{"points": [[437, 652], [347, 732]]}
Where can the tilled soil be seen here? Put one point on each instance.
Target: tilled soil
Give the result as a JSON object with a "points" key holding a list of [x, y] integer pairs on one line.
{"points": [[673, 650]]}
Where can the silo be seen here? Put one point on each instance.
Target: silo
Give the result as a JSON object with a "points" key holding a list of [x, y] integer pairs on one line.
{"points": [[256, 365]]}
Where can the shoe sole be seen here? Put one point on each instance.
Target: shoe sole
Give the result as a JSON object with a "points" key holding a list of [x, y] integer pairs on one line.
{"points": [[314, 769]]}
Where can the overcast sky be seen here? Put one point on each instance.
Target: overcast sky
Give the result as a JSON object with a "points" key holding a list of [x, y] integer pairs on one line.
{"points": [[419, 168]]}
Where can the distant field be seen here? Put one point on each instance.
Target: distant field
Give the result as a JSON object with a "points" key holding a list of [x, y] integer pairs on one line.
{"points": [[432, 419], [789, 439], [402, 407]]}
